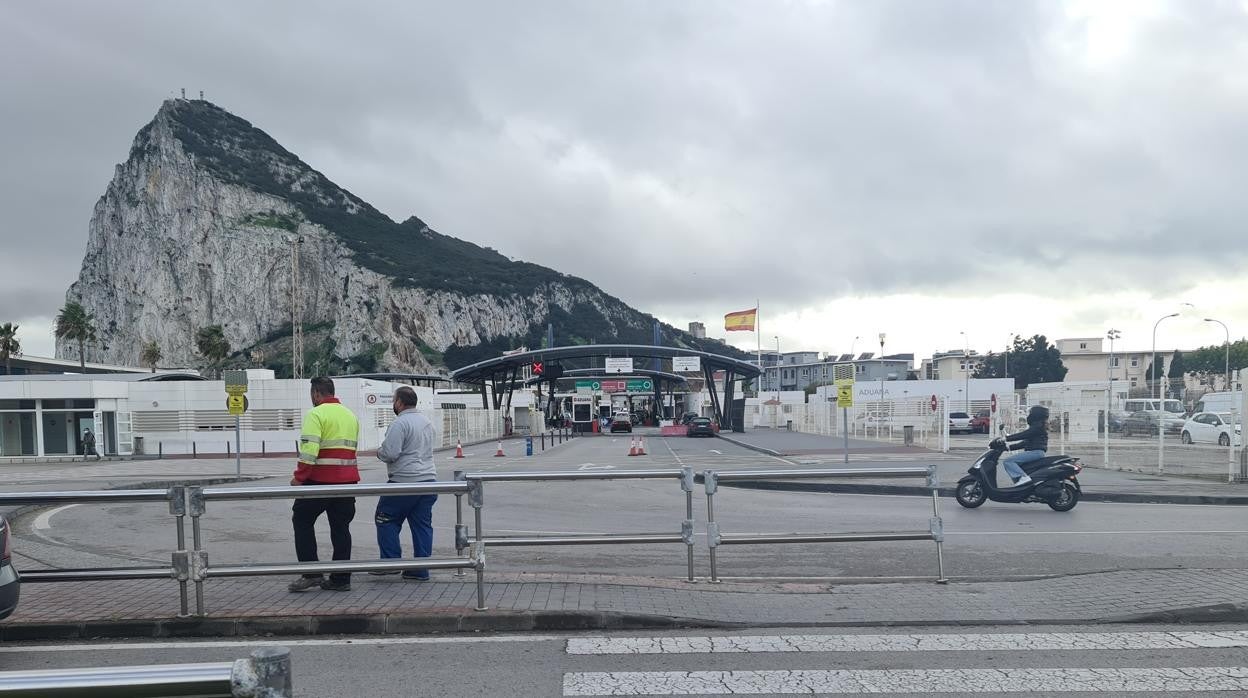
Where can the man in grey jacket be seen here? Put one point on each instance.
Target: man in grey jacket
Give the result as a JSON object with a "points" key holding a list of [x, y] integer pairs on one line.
{"points": [[408, 454]]}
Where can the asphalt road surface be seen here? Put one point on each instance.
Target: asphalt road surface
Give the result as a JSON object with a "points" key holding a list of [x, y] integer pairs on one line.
{"points": [[1049, 661], [997, 541]]}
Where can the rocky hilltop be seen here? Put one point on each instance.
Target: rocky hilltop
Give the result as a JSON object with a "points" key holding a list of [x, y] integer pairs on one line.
{"points": [[197, 228]]}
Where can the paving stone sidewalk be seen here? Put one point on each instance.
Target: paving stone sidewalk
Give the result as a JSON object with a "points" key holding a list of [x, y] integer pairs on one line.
{"points": [[390, 604]]}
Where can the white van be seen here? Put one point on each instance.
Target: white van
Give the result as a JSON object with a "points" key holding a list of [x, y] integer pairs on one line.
{"points": [[1174, 407], [1222, 403]]}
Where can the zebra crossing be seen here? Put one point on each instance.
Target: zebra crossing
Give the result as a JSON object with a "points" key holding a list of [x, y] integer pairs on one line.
{"points": [[1135, 662]]}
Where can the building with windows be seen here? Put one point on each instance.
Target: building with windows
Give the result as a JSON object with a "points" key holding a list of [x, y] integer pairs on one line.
{"points": [[1086, 360], [955, 364], [698, 330], [800, 370]]}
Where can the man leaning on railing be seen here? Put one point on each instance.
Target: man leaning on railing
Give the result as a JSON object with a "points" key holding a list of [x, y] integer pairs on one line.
{"points": [[327, 445], [407, 452]]}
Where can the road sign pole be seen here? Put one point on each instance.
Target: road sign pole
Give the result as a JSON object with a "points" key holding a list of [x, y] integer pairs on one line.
{"points": [[238, 448], [845, 430]]}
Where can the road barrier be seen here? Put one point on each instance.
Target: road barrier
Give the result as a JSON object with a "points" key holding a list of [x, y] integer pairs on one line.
{"points": [[712, 478], [685, 536], [265, 674]]}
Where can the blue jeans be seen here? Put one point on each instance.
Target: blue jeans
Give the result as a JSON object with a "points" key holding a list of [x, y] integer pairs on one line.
{"points": [[1013, 464], [417, 511]]}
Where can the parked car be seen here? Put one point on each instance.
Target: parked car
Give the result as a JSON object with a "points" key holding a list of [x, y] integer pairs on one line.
{"points": [[981, 423], [10, 582], [1140, 423], [700, 426], [1210, 428], [622, 422], [959, 423]]}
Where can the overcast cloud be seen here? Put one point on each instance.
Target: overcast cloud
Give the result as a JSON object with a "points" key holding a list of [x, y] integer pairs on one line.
{"points": [[919, 168]]}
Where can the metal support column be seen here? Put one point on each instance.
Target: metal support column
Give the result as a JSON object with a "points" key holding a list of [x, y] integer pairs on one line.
{"points": [[476, 498], [686, 528], [461, 530], [937, 526], [711, 481]]}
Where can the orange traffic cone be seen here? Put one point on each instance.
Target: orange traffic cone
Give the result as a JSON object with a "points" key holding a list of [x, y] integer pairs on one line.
{"points": [[459, 449], [641, 446], [499, 453], [632, 447]]}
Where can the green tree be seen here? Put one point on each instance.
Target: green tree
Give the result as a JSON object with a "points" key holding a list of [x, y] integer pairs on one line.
{"points": [[75, 324], [1032, 360], [1210, 361], [212, 345], [151, 355], [9, 346]]}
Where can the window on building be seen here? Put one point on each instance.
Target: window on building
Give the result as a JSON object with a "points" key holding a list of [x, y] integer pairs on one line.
{"points": [[805, 373], [1083, 345], [1134, 381], [1135, 363], [1114, 362]]}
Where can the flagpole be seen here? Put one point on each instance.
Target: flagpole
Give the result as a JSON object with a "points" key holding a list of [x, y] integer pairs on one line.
{"points": [[758, 337]]}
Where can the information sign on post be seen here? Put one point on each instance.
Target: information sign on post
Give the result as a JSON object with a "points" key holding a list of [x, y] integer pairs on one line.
{"points": [[619, 365], [843, 377], [236, 403]]}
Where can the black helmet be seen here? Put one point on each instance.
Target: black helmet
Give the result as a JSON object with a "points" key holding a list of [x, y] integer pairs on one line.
{"points": [[1037, 414]]}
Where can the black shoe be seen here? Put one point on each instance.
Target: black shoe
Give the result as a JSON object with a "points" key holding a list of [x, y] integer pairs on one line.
{"points": [[415, 578], [304, 583], [329, 585], [383, 573]]}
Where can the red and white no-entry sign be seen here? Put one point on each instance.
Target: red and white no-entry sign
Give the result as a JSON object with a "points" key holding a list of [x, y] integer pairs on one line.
{"points": [[934, 403]]}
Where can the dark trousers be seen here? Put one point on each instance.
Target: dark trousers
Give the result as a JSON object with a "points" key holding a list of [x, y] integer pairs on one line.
{"points": [[417, 511], [340, 511]]}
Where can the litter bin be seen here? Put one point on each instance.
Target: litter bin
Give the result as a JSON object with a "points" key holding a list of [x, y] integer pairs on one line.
{"points": [[907, 434], [138, 445]]}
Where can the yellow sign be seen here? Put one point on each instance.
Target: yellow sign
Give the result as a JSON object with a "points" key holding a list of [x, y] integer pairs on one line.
{"points": [[236, 404], [845, 395]]}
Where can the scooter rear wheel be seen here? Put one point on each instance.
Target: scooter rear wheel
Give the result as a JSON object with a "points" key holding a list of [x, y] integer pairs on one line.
{"points": [[1067, 499], [970, 494]]}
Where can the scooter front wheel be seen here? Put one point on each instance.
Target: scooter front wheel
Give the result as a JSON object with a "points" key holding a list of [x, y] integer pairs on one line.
{"points": [[970, 493], [1066, 499]]}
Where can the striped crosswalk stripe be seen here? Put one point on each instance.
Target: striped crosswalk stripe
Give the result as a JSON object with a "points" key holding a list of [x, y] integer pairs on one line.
{"points": [[927, 642], [955, 681]]}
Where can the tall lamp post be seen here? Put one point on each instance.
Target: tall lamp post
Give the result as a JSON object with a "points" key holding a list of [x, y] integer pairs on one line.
{"points": [[779, 366], [966, 371], [1161, 412], [1112, 334], [1227, 344], [877, 428]]}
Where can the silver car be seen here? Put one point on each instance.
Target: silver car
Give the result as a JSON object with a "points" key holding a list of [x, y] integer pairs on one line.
{"points": [[9, 580]]}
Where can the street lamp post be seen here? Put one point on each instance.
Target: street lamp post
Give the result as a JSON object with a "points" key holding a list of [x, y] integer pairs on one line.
{"points": [[1112, 334], [779, 366], [877, 426], [1161, 412], [966, 371], [1227, 344]]}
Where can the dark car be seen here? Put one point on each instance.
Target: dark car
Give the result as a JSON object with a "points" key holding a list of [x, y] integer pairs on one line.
{"points": [[9, 581], [688, 417], [622, 422], [1143, 423], [981, 423], [700, 426]]}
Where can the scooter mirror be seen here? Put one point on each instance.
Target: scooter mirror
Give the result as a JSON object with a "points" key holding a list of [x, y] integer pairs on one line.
{"points": [[1001, 428]]}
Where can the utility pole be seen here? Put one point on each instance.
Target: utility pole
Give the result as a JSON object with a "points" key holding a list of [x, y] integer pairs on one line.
{"points": [[296, 310]]}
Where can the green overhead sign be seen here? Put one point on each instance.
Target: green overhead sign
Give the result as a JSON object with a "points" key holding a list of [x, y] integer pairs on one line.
{"points": [[640, 385]]}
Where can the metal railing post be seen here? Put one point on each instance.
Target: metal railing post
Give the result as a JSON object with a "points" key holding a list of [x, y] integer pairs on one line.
{"points": [[181, 558], [937, 526], [461, 531], [686, 528], [711, 480], [476, 497], [199, 558]]}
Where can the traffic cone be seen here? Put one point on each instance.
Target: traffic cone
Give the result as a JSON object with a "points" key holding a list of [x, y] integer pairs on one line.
{"points": [[641, 446], [499, 453], [459, 449], [632, 447]]}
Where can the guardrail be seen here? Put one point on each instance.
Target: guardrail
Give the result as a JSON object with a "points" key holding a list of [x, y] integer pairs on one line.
{"points": [[685, 536], [712, 478], [265, 674]]}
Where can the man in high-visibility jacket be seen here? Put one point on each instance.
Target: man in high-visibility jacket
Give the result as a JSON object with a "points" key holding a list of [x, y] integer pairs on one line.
{"points": [[327, 446]]}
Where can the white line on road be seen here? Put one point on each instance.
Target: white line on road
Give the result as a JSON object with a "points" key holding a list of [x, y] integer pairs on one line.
{"points": [[666, 683], [44, 521], [266, 642], [718, 453], [942, 642]]}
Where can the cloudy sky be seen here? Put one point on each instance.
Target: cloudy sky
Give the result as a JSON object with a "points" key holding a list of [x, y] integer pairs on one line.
{"points": [[921, 169]]}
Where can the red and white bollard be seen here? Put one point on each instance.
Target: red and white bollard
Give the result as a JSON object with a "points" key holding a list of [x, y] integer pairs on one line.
{"points": [[459, 449]]}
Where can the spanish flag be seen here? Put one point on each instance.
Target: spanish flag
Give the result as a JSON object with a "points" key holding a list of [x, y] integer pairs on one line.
{"points": [[741, 320]]}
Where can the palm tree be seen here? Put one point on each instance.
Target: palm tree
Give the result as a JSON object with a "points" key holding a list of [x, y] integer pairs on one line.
{"points": [[150, 356], [75, 324], [213, 345], [9, 345]]}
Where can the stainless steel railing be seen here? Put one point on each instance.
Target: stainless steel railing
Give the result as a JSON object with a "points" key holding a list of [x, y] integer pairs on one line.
{"points": [[712, 478], [264, 674]]}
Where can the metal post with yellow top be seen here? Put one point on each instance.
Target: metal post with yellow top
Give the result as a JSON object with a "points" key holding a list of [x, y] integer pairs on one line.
{"points": [[236, 403]]}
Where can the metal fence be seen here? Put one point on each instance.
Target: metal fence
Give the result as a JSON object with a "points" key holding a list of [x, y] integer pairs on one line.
{"points": [[715, 538], [264, 674]]}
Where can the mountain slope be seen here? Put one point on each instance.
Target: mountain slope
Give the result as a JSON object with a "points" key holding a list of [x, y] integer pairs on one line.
{"points": [[197, 228]]}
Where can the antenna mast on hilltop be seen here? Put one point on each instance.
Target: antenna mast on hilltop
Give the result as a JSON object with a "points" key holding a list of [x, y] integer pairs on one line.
{"points": [[296, 310]]}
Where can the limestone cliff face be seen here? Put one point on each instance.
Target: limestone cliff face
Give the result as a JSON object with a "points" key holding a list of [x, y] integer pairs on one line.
{"points": [[196, 229]]}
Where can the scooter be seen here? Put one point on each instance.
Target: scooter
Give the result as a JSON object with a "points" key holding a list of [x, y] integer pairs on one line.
{"points": [[1053, 481]]}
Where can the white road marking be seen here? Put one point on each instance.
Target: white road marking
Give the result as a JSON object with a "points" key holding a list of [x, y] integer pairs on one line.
{"points": [[943, 642], [267, 642], [961, 681], [718, 453], [44, 521], [591, 466]]}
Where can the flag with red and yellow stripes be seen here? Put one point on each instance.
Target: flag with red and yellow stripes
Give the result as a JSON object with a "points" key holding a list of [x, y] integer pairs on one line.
{"points": [[741, 320]]}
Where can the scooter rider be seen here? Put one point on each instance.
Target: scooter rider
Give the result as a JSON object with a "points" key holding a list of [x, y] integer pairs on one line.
{"points": [[1032, 441]]}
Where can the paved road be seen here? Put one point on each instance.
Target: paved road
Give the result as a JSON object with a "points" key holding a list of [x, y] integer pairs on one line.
{"points": [[1053, 661], [995, 542]]}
